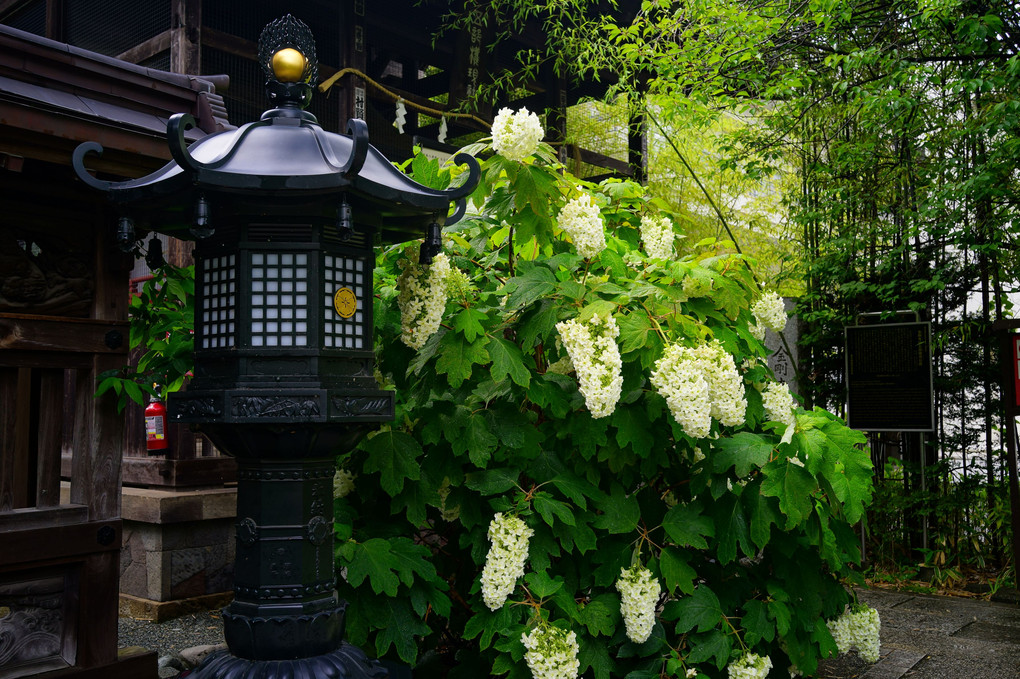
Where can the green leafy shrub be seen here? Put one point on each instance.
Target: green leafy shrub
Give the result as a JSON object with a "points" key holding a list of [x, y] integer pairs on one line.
{"points": [[162, 321], [746, 527]]}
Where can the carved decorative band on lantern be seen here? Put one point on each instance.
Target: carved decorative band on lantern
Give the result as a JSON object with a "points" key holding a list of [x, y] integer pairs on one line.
{"points": [[362, 406], [279, 407], [271, 592], [187, 407], [284, 474]]}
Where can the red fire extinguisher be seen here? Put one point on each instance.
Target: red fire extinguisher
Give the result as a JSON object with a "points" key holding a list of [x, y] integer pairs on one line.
{"points": [[155, 427]]}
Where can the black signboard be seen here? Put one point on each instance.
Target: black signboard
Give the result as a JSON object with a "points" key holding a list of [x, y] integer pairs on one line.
{"points": [[889, 380]]}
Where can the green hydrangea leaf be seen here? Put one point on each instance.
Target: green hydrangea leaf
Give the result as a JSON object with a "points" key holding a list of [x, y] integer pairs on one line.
{"points": [[457, 355], [507, 360], [476, 441], [714, 646], [374, 560], [794, 486], [595, 655], [676, 571], [468, 322], [601, 614], [756, 623], [394, 455], [700, 610], [633, 429], [541, 585], [687, 526], [731, 528], [742, 451], [620, 512]]}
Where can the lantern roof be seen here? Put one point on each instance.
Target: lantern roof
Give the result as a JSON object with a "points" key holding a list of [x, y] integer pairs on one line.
{"points": [[285, 157]]}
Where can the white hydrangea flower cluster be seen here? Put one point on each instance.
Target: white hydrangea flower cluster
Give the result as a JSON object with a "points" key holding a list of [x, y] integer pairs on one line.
{"points": [[422, 297], [343, 483], [658, 236], [582, 220], [769, 311], [504, 563], [778, 403], [749, 666], [551, 653], [515, 136], [639, 593], [593, 351], [725, 385], [858, 628], [680, 381], [699, 384]]}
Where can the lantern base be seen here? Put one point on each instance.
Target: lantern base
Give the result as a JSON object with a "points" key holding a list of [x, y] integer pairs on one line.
{"points": [[346, 662]]}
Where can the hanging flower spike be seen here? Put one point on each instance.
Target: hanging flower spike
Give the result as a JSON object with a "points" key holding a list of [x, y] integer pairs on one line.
{"points": [[515, 136], [860, 628], [679, 379], [639, 594], [441, 137], [401, 116], [658, 236], [581, 219], [725, 386], [422, 297], [551, 653], [749, 666], [504, 563], [778, 403], [770, 312], [595, 357]]}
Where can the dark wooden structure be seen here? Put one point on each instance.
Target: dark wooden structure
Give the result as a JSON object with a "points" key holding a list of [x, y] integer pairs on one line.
{"points": [[383, 49], [63, 321]]}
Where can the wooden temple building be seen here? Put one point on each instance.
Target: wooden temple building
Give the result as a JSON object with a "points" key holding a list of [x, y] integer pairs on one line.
{"points": [[85, 512]]}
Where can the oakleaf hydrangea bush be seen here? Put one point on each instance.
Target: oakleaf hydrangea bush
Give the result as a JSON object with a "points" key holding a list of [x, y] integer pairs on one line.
{"points": [[591, 471]]}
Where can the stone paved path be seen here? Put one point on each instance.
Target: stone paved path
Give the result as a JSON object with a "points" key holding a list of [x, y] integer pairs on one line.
{"points": [[934, 637]]}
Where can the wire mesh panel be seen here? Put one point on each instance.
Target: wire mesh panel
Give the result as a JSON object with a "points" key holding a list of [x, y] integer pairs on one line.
{"points": [[114, 26], [31, 18], [279, 299], [344, 292], [219, 275]]}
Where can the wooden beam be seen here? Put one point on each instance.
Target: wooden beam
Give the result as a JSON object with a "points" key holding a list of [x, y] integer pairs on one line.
{"points": [[231, 44], [50, 517], [72, 335], [38, 544], [147, 49]]}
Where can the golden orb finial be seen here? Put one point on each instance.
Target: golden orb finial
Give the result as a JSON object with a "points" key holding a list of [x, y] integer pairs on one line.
{"points": [[289, 65]]}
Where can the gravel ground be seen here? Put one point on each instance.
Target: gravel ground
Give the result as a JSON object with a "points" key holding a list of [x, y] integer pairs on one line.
{"points": [[170, 637]]}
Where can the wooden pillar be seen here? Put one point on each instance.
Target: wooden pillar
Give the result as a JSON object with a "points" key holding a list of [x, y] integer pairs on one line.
{"points": [[353, 96], [186, 36], [55, 20]]}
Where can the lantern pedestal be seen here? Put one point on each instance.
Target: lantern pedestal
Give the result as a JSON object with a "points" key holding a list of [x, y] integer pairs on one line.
{"points": [[285, 620], [345, 662]]}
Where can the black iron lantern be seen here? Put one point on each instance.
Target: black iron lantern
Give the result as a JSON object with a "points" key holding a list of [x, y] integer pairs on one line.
{"points": [[286, 216]]}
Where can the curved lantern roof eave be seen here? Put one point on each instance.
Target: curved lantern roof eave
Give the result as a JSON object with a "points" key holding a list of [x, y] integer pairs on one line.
{"points": [[285, 154]]}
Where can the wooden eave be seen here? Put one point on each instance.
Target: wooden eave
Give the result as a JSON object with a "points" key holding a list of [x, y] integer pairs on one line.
{"points": [[54, 96]]}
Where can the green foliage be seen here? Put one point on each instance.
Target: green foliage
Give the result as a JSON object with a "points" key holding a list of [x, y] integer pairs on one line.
{"points": [[747, 530], [162, 319]]}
